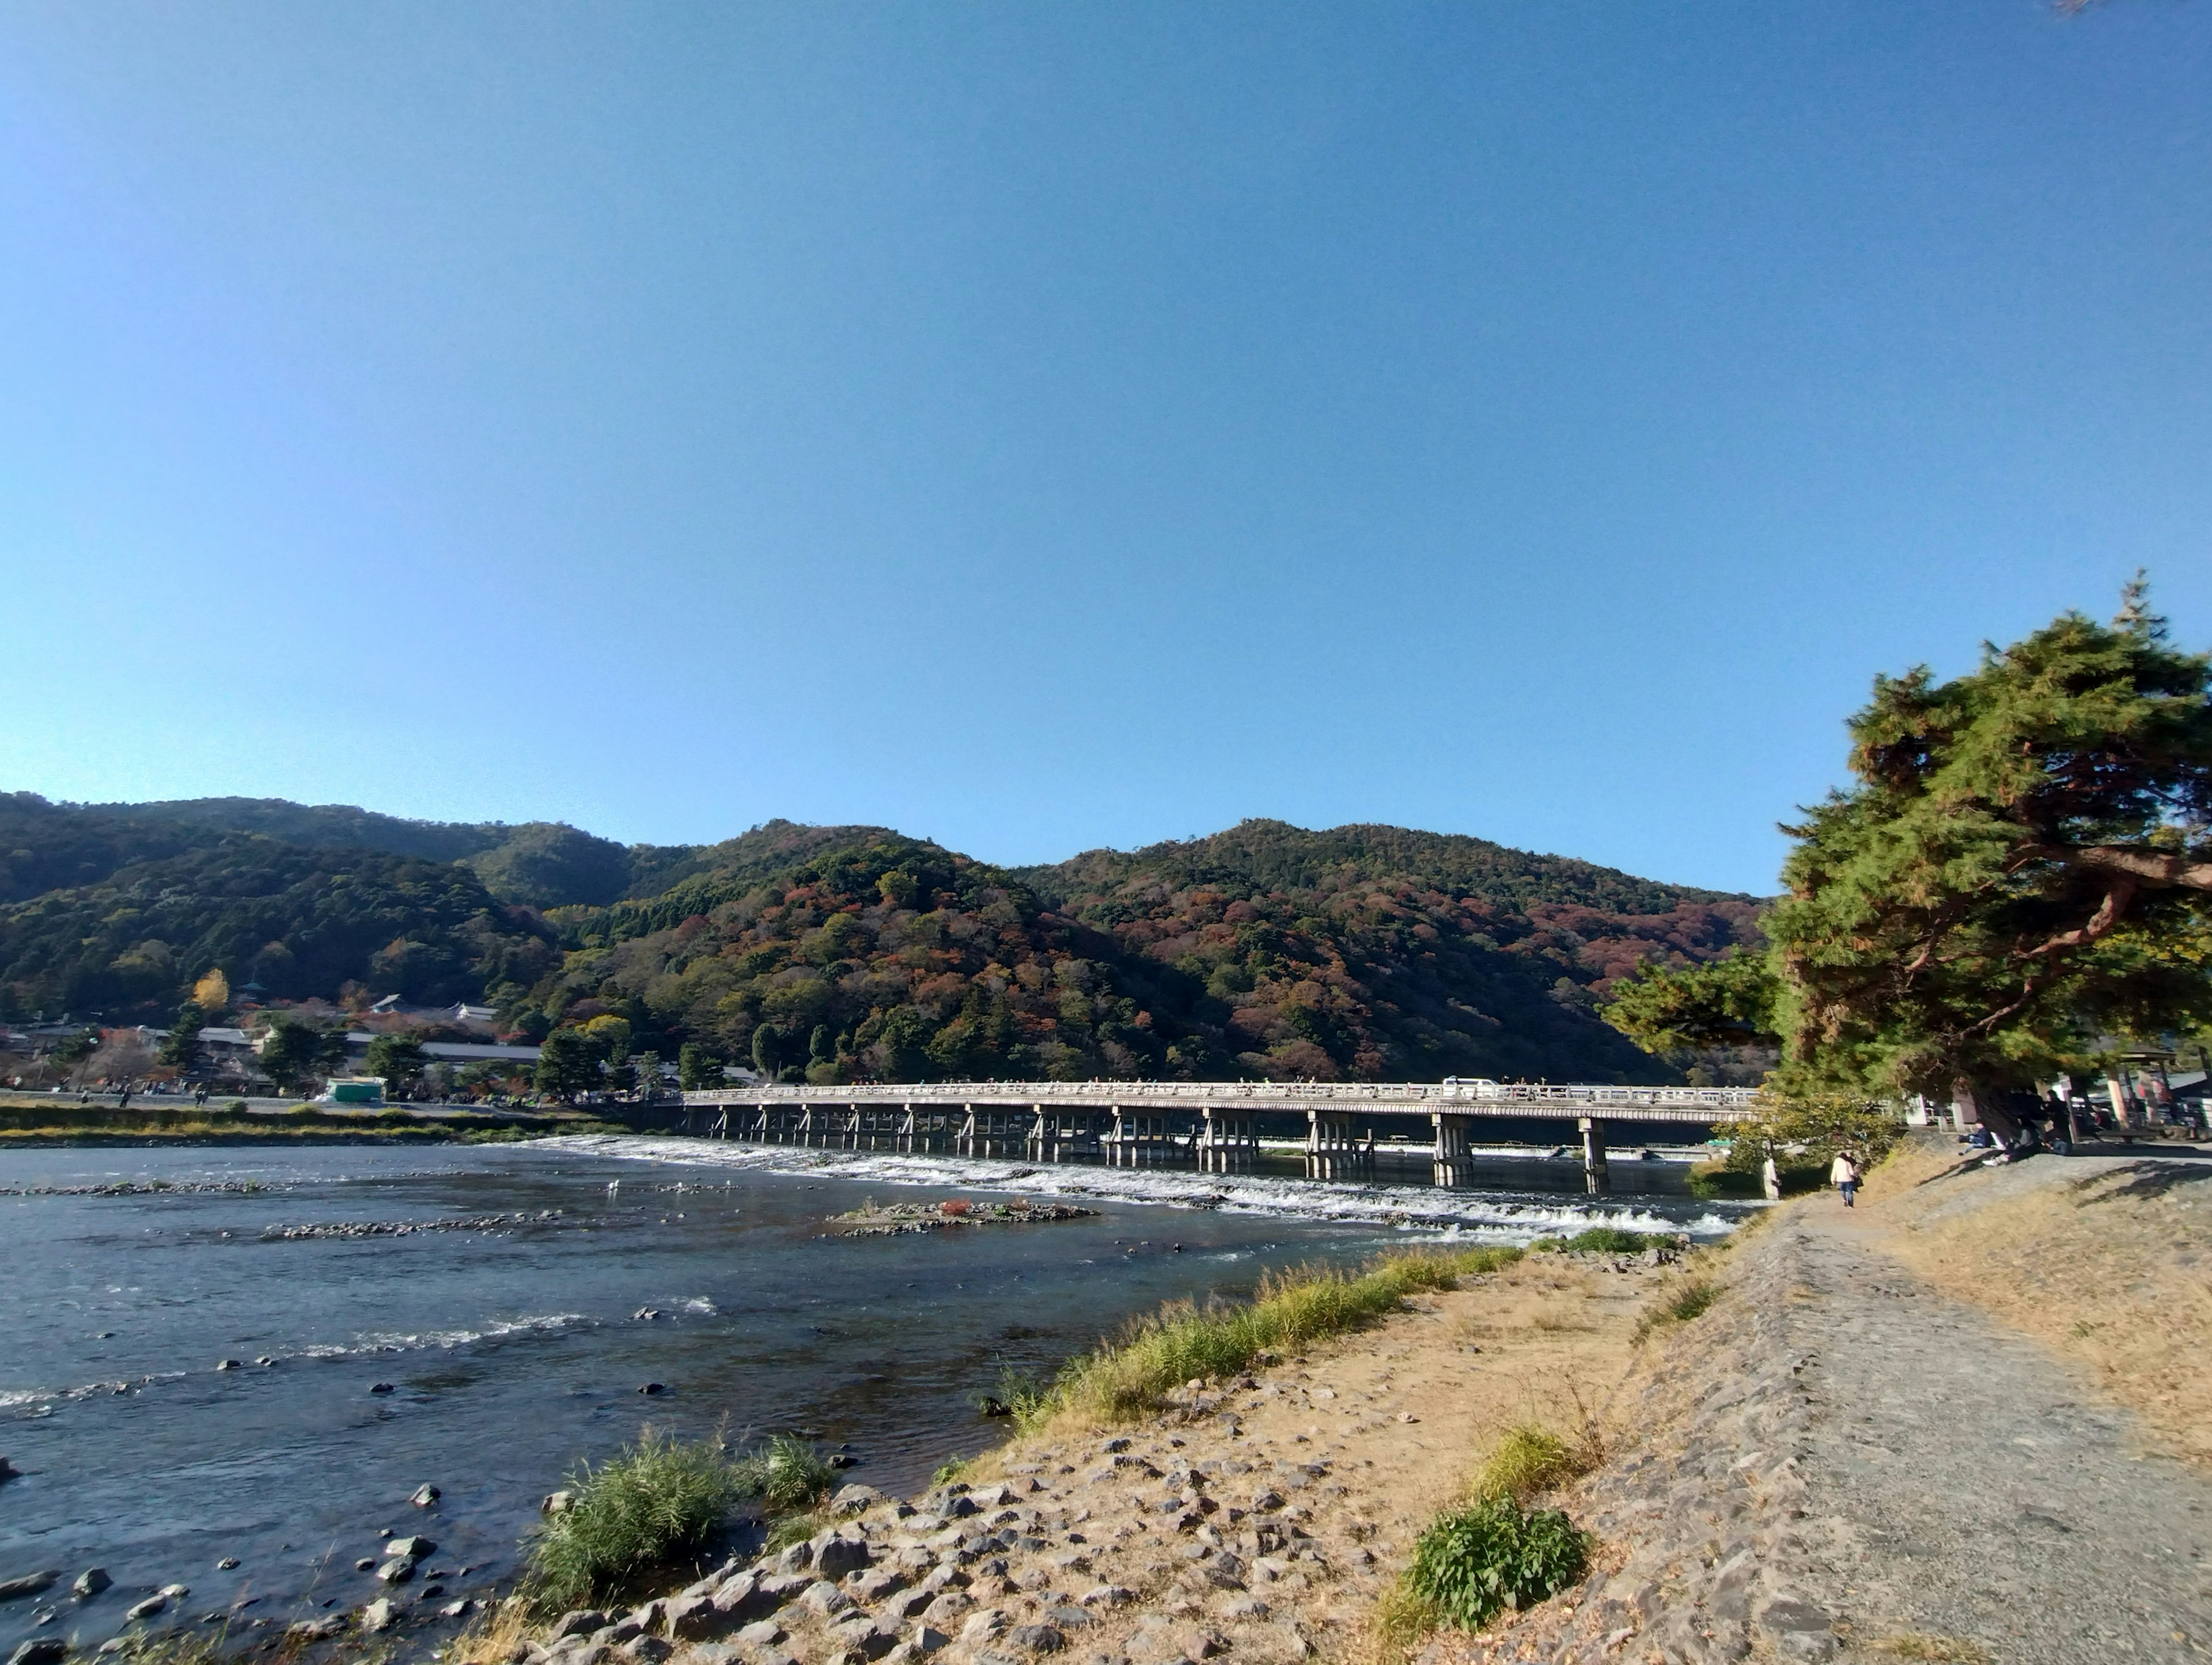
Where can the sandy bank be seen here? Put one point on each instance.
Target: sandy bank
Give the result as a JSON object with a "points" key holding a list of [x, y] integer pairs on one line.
{"points": [[1259, 1518]]}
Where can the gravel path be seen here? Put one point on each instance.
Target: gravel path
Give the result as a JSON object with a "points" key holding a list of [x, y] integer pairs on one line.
{"points": [[1964, 1483], [1838, 1463]]}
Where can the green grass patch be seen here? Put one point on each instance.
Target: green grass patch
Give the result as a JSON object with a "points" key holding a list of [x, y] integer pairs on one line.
{"points": [[1130, 1376], [1677, 1306], [1529, 1461], [786, 1474], [633, 1516], [947, 1472], [794, 1529], [1472, 1563], [1610, 1240]]}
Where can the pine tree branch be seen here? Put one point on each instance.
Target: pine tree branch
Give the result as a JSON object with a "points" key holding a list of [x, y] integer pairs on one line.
{"points": [[2162, 868]]}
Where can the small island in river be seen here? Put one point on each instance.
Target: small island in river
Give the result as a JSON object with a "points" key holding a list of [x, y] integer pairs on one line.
{"points": [[873, 1219]]}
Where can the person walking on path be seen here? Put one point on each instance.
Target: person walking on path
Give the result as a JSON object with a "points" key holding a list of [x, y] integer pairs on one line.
{"points": [[1770, 1178], [1843, 1174]]}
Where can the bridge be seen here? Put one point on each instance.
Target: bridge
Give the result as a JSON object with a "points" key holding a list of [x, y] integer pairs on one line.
{"points": [[1217, 1122]]}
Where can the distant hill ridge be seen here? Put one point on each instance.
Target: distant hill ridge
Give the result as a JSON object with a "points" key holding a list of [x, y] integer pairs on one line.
{"points": [[833, 953]]}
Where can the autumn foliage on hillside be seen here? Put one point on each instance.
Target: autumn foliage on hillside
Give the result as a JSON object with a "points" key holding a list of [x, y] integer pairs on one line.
{"points": [[1365, 953]]}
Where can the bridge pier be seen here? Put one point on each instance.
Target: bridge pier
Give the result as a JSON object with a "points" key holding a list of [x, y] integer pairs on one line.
{"points": [[1333, 1150], [1137, 1138], [1453, 1164], [1229, 1141], [1597, 1173], [1057, 1134]]}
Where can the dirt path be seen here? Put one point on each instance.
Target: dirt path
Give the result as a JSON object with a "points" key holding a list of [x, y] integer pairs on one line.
{"points": [[1966, 1483]]}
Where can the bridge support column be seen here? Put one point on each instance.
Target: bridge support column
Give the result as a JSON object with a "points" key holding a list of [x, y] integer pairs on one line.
{"points": [[1332, 1149], [1597, 1176], [1228, 1140], [1453, 1164]]}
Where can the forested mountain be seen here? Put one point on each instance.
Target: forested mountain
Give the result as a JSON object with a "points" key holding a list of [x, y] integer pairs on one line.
{"points": [[847, 952]]}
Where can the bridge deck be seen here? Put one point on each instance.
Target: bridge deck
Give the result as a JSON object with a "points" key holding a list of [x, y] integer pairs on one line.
{"points": [[1702, 1106]]}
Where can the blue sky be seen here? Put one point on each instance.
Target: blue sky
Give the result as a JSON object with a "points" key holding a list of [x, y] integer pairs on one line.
{"points": [[1053, 425]]}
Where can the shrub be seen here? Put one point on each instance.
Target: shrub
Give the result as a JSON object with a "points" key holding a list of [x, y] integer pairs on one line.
{"points": [[1610, 1240], [950, 1471], [632, 1515], [1528, 1460], [1473, 1563], [1690, 1301], [786, 1474]]}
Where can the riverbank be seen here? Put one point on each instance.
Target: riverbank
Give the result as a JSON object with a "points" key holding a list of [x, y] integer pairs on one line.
{"points": [[1841, 1436], [34, 1122], [1262, 1514]]}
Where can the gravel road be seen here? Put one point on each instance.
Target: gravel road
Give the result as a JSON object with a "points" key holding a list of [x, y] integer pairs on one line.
{"points": [[1964, 1483]]}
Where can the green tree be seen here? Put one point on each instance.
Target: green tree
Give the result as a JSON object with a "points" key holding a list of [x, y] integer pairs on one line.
{"points": [[2026, 849], [2022, 867], [291, 1053], [768, 1051], [399, 1059], [1727, 1003], [567, 1065], [180, 1048], [698, 1069]]}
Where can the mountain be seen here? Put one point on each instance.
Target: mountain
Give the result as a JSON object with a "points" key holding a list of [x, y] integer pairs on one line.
{"points": [[836, 953]]}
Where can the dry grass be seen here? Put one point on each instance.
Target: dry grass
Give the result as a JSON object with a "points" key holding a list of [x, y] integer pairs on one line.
{"points": [[2106, 1263], [494, 1639], [1954, 1650]]}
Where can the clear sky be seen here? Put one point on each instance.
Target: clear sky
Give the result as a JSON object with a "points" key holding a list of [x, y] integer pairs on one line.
{"points": [[1044, 426]]}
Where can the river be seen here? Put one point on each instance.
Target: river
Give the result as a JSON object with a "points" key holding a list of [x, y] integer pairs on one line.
{"points": [[585, 1270]]}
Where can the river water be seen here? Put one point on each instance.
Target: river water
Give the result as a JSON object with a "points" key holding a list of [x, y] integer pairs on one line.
{"points": [[518, 1346]]}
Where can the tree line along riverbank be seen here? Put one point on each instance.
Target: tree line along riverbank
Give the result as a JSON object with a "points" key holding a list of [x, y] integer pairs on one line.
{"points": [[31, 1121]]}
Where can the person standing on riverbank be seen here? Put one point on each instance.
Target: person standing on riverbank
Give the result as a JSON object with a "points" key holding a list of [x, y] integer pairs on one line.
{"points": [[1843, 1174]]}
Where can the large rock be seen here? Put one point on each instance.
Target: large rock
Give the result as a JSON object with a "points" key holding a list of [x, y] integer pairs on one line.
{"points": [[147, 1608], [30, 1583], [825, 1598], [582, 1621], [742, 1598], [1037, 1639], [695, 1618], [947, 1608], [855, 1499], [413, 1549], [378, 1616], [90, 1583], [39, 1651], [838, 1551]]}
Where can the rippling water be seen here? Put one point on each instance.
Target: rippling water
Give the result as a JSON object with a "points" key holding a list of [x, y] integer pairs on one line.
{"points": [[517, 1347]]}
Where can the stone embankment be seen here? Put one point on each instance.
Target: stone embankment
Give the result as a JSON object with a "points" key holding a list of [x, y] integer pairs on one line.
{"points": [[1257, 1519]]}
